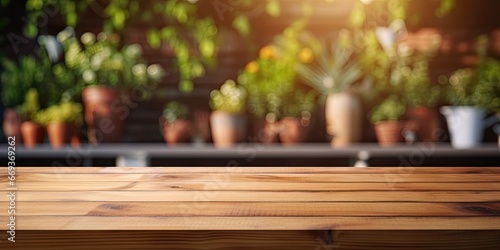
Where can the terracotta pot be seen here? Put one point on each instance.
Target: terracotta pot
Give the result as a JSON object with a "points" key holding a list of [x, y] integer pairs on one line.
{"points": [[60, 133], [12, 124], [32, 134], [344, 118], [426, 123], [265, 132], [75, 136], [389, 133], [227, 129], [177, 132], [293, 131], [103, 114]]}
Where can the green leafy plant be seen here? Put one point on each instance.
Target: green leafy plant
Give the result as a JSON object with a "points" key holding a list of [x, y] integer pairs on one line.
{"points": [[478, 86], [31, 71], [333, 69], [174, 111], [300, 103], [102, 61], [65, 112], [271, 79], [230, 98], [31, 106], [391, 109]]}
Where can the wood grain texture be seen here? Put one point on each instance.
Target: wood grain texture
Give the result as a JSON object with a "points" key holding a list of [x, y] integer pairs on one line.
{"points": [[265, 198], [254, 223], [301, 170], [275, 177], [251, 240], [248, 209], [62, 185]]}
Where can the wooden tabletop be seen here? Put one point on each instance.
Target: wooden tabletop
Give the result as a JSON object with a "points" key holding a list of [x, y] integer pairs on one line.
{"points": [[254, 198]]}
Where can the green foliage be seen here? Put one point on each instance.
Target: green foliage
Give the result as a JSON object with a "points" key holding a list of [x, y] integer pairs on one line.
{"points": [[31, 71], [231, 98], [174, 111], [333, 70], [102, 61], [29, 109], [66, 112], [391, 109], [479, 87], [271, 78], [299, 103]]}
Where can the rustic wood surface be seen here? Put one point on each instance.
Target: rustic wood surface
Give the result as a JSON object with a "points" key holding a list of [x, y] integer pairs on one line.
{"points": [[270, 198], [182, 208]]}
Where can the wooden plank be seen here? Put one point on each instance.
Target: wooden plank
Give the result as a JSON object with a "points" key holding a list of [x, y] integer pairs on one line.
{"points": [[247, 209], [301, 170], [253, 223], [67, 186], [263, 196], [359, 177], [179, 240], [250, 240]]}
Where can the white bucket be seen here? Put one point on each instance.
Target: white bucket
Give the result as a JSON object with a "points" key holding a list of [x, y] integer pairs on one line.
{"points": [[465, 125]]}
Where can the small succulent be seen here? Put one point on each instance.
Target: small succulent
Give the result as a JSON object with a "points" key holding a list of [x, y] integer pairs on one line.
{"points": [[174, 111], [231, 98]]}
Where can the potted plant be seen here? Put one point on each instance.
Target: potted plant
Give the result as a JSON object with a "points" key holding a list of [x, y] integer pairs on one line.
{"points": [[472, 93], [17, 79], [387, 119], [422, 97], [62, 122], [228, 120], [174, 124], [332, 73], [31, 131], [106, 72], [297, 112]]}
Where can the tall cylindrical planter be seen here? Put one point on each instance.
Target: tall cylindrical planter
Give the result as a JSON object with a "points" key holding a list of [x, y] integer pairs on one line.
{"points": [[293, 131], [12, 124], [389, 133], [465, 125], [427, 122], [32, 134], [60, 133], [227, 129], [103, 114], [344, 118]]}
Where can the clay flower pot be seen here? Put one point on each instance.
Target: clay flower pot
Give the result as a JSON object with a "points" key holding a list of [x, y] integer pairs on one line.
{"points": [[344, 119], [177, 132], [32, 133], [12, 124], [426, 122], [227, 129], [389, 133], [60, 133], [103, 114], [293, 130]]}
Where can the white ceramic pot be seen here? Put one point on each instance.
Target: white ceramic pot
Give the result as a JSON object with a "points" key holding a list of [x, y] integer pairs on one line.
{"points": [[465, 125], [227, 129]]}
